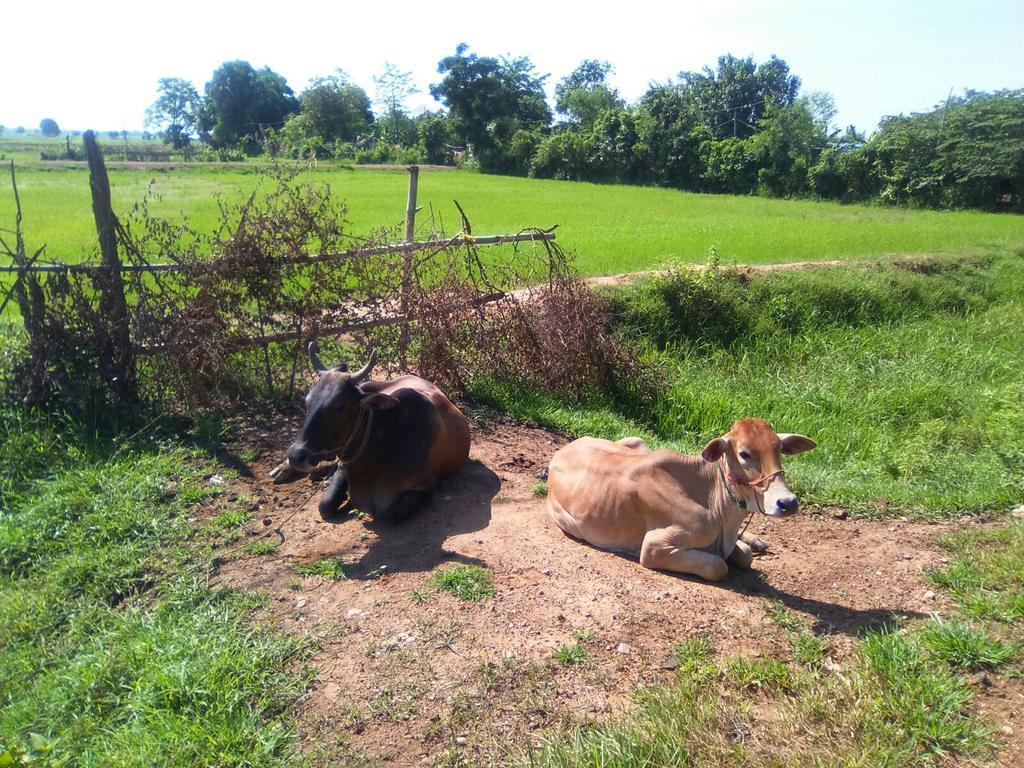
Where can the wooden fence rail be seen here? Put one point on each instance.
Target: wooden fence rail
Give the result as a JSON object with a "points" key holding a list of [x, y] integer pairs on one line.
{"points": [[533, 235]]}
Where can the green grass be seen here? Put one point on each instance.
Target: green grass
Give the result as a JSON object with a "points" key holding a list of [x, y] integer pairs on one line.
{"points": [[808, 649], [610, 228], [261, 547], [986, 576], [908, 380], [571, 655], [327, 568], [114, 652], [966, 647], [466, 582], [889, 707]]}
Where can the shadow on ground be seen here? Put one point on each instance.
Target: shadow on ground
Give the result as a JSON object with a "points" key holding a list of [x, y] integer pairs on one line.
{"points": [[829, 618], [462, 504]]}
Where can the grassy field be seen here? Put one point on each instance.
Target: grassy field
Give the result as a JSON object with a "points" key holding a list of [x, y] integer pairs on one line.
{"points": [[610, 229], [115, 651]]}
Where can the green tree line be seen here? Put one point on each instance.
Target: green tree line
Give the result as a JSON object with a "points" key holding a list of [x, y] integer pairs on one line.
{"points": [[740, 127]]}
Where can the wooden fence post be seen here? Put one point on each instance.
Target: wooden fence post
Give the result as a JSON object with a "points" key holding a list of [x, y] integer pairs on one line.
{"points": [[116, 349], [407, 276]]}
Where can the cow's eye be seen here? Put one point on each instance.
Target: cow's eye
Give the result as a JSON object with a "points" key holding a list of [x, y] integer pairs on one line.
{"points": [[744, 455]]}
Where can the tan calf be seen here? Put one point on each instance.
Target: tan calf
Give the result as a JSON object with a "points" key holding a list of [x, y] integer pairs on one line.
{"points": [[675, 512]]}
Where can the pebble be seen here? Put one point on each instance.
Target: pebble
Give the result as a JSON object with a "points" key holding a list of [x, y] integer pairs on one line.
{"points": [[929, 595], [215, 480], [670, 663], [353, 613], [841, 514], [460, 740], [267, 521], [1018, 511], [623, 648]]}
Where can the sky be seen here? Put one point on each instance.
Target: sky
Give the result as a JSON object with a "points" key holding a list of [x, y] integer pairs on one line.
{"points": [[99, 68]]}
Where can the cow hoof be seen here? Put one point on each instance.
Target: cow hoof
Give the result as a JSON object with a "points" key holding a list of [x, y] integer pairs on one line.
{"points": [[332, 512]]}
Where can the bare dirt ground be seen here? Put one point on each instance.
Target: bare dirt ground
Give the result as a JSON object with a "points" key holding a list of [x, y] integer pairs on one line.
{"points": [[409, 675]]}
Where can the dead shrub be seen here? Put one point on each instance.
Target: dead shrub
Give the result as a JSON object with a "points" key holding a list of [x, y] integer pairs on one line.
{"points": [[281, 268]]}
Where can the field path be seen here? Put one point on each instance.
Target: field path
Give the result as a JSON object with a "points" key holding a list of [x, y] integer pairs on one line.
{"points": [[405, 677]]}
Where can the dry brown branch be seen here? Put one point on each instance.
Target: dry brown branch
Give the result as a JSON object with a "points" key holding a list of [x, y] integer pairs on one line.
{"points": [[286, 270]]}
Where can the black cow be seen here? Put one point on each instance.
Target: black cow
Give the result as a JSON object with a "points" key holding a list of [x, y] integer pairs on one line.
{"points": [[394, 439]]}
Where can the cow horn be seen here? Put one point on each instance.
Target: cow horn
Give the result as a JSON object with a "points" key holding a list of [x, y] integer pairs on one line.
{"points": [[314, 358], [363, 372]]}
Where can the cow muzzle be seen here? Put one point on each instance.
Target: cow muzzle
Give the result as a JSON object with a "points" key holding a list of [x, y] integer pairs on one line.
{"points": [[779, 500], [299, 458]]}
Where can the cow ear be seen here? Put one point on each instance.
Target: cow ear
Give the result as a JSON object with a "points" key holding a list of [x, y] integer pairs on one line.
{"points": [[713, 451], [378, 401], [793, 444]]}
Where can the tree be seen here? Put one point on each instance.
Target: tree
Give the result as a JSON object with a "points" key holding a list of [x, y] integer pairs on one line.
{"points": [[789, 145], [242, 104], [670, 137], [336, 108], [490, 102], [175, 112], [434, 138], [731, 99], [585, 94], [48, 127], [967, 152], [393, 88]]}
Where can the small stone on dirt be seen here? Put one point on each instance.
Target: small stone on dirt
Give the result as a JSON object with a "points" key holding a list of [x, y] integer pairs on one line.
{"points": [[840, 514], [215, 480], [670, 663], [1018, 511], [929, 595], [354, 613], [624, 649], [267, 521], [460, 740], [541, 474]]}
